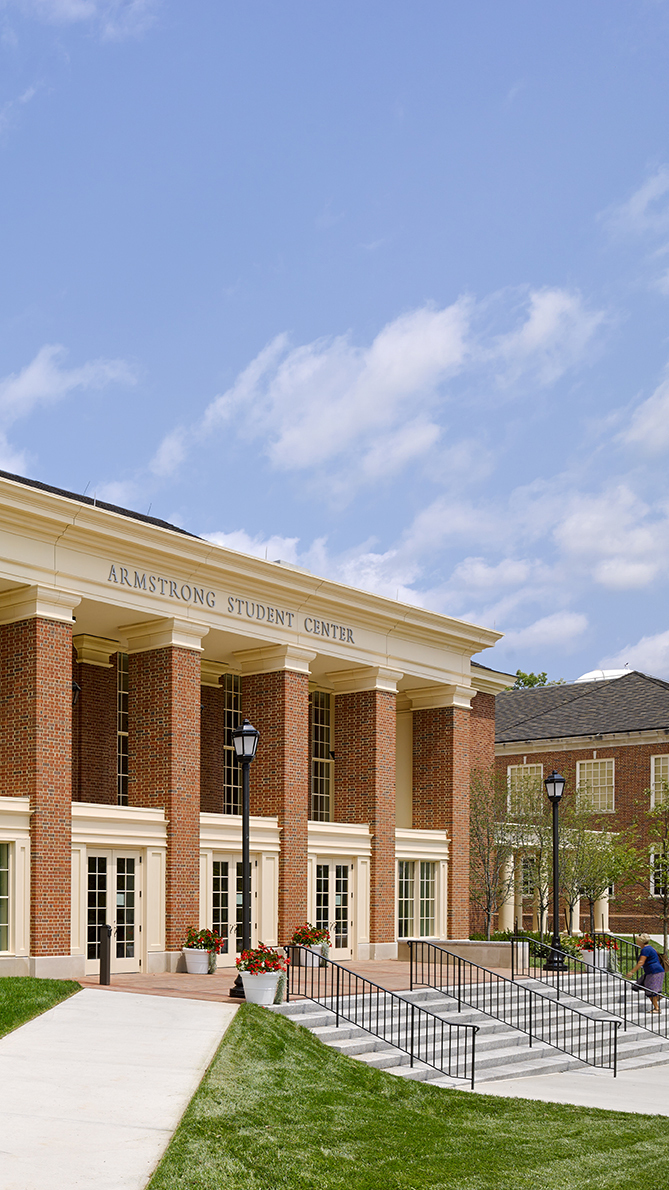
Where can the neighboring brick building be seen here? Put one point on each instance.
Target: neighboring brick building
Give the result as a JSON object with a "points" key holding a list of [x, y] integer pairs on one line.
{"points": [[610, 736], [130, 650]]}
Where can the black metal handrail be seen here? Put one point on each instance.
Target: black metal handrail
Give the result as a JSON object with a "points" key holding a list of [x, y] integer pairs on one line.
{"points": [[426, 1037], [626, 952], [570, 975], [593, 1040]]}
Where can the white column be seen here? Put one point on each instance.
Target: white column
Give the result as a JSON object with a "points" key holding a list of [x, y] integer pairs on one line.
{"points": [[506, 909]]}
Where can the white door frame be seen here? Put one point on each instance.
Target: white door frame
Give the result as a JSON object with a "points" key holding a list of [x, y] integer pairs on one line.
{"points": [[117, 903]]}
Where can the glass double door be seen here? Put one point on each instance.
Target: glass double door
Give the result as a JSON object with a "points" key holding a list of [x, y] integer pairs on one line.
{"points": [[114, 899], [227, 915], [334, 904]]}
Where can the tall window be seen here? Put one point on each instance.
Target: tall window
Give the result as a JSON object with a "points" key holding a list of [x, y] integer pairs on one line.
{"points": [[659, 779], [4, 896], [232, 716], [122, 728], [522, 779], [659, 873], [405, 886], [321, 755], [595, 781], [427, 900]]}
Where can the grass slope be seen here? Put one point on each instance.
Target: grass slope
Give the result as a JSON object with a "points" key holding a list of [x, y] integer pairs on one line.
{"points": [[22, 998], [278, 1110]]}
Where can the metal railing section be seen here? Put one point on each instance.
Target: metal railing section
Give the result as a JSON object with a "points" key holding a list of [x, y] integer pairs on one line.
{"points": [[582, 980], [626, 953], [590, 1039], [444, 1045]]}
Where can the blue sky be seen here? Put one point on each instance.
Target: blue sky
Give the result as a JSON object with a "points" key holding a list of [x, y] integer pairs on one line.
{"points": [[375, 287]]}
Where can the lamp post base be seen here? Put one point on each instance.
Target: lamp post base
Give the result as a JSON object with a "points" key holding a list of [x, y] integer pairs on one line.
{"points": [[556, 960], [237, 989]]}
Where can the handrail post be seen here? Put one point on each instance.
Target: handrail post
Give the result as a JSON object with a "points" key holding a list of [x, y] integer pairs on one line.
{"points": [[513, 952], [337, 1009], [615, 1049], [475, 1031], [459, 984], [530, 1021], [412, 1025], [410, 945], [286, 951]]}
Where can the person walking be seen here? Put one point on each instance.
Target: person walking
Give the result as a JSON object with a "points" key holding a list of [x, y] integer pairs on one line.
{"points": [[653, 970]]}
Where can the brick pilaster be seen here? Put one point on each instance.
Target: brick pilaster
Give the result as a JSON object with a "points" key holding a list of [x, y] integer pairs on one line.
{"points": [[365, 729], [36, 761], [278, 705], [441, 797], [482, 731], [94, 742], [164, 769]]}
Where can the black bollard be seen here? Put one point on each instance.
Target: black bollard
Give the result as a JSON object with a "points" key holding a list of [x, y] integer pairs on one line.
{"points": [[104, 938]]}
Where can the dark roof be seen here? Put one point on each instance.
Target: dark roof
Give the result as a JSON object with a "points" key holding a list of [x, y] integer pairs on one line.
{"points": [[95, 503], [488, 669], [635, 702]]}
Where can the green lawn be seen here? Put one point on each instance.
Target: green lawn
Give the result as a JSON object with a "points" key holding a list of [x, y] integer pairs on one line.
{"points": [[278, 1110], [22, 998]]}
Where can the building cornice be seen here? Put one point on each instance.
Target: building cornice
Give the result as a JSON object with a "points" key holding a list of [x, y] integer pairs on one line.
{"points": [[577, 743]]}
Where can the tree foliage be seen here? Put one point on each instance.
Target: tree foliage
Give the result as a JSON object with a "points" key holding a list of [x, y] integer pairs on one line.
{"points": [[491, 874]]}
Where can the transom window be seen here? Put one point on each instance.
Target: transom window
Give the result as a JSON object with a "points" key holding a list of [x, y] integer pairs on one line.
{"points": [[231, 687], [122, 728], [4, 896], [320, 733], [522, 779], [595, 781], [659, 779]]}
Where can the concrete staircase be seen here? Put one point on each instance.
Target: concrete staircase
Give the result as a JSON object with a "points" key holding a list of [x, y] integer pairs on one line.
{"points": [[502, 1051]]}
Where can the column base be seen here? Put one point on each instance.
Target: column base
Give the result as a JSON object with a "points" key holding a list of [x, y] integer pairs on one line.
{"points": [[15, 965], [383, 950], [57, 966]]}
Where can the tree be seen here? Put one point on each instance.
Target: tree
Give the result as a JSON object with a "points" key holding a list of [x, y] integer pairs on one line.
{"points": [[530, 829], [526, 681], [600, 859], [491, 847]]}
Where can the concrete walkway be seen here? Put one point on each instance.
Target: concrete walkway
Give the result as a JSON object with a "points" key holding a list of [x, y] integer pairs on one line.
{"points": [[93, 1089], [644, 1091]]}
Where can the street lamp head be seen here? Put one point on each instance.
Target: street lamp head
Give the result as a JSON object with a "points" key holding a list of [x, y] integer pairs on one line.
{"points": [[554, 786], [245, 740]]}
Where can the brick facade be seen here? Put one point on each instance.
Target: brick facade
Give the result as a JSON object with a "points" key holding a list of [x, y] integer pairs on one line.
{"points": [[212, 751], [164, 769], [365, 751], [629, 911], [36, 762], [441, 797], [94, 738], [278, 705], [482, 731]]}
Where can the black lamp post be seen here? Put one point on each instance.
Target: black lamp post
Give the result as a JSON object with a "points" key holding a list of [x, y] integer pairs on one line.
{"points": [[245, 740], [554, 788]]}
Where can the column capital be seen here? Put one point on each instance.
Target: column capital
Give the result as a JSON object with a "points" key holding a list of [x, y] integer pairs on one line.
{"points": [[370, 677], [95, 650], [160, 634], [211, 672], [27, 603], [432, 697], [275, 658]]}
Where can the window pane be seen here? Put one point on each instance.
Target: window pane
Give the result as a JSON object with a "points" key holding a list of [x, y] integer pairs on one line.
{"points": [[221, 894], [523, 779], [405, 879], [4, 896], [122, 728], [232, 716], [320, 739], [427, 881], [660, 778], [595, 781]]}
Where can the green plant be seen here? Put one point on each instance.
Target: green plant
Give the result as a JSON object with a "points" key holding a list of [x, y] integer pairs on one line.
{"points": [[308, 935], [261, 960], [205, 940]]}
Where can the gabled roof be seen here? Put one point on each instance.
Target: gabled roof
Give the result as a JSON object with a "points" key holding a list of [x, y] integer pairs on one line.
{"points": [[95, 503], [636, 702]]}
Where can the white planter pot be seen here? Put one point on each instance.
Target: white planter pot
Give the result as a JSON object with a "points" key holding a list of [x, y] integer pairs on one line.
{"points": [[312, 956], [596, 958], [197, 961], [260, 989]]}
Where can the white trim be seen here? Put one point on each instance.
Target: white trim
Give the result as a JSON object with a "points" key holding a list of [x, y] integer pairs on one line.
{"points": [[223, 832], [348, 839], [97, 825], [419, 844], [579, 743]]}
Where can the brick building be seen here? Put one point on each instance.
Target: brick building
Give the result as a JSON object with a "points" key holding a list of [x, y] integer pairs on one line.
{"points": [[130, 649], [609, 737]]}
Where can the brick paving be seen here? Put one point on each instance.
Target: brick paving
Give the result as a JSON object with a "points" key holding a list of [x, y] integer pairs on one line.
{"points": [[388, 973]]}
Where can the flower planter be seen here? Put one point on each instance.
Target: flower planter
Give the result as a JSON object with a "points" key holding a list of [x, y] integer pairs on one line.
{"points": [[197, 961], [596, 958], [260, 989], [311, 955]]}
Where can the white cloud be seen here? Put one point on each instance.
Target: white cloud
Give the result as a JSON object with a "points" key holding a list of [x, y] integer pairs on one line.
{"points": [[646, 211], [44, 381], [559, 629], [116, 18], [556, 334], [274, 548], [618, 538], [649, 424], [650, 655]]}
